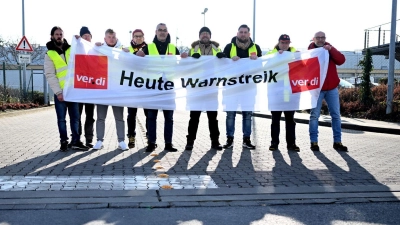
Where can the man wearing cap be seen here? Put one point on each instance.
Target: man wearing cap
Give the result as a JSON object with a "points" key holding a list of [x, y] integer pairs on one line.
{"points": [[160, 46], [137, 44], [204, 46], [55, 70], [283, 45], [330, 93], [241, 46], [111, 41], [89, 108]]}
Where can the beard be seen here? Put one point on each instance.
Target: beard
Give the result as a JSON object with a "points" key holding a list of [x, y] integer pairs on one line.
{"points": [[205, 41], [243, 40], [59, 42]]}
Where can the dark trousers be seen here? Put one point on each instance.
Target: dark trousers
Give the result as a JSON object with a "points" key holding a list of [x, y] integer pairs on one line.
{"points": [[151, 121], [290, 127], [131, 121], [194, 124], [89, 121]]}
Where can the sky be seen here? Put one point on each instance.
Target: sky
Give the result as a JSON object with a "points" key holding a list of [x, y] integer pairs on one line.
{"points": [[343, 21]]}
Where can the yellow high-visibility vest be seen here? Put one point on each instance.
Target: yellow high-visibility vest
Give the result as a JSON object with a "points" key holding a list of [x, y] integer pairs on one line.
{"points": [[60, 65], [171, 50], [251, 50]]}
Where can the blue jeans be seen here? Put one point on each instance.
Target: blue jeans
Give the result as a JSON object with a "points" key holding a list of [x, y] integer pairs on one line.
{"points": [[73, 112], [332, 100], [151, 121], [246, 123]]}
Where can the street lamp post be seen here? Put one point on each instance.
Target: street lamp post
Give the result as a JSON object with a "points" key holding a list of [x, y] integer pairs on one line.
{"points": [[204, 13], [130, 35]]}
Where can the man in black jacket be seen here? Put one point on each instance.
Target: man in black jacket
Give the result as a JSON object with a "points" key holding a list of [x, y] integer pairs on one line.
{"points": [[241, 46], [161, 46]]}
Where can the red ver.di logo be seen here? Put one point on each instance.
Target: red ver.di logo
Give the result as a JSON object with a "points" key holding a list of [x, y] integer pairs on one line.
{"points": [[91, 72], [304, 75]]}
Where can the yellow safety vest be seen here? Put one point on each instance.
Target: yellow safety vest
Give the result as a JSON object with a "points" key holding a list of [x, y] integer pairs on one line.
{"points": [[171, 50], [214, 51], [60, 65], [251, 50], [292, 49]]}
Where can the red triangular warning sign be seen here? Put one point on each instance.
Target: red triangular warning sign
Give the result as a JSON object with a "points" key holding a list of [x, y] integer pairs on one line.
{"points": [[24, 45]]}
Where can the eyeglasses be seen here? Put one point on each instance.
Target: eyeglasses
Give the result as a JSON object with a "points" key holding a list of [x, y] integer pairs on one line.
{"points": [[162, 30], [135, 36], [320, 38]]}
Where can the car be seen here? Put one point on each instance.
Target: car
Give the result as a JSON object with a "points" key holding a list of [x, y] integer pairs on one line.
{"points": [[345, 84]]}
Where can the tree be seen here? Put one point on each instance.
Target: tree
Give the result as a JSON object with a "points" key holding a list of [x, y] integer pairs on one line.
{"points": [[183, 49], [365, 87], [9, 55]]}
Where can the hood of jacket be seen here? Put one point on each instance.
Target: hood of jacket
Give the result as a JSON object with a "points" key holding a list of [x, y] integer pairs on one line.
{"points": [[52, 46], [216, 44]]}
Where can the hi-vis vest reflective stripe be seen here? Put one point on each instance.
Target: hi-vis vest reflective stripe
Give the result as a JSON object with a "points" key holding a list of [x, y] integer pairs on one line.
{"points": [[292, 49], [251, 50], [60, 65], [171, 50], [215, 50]]}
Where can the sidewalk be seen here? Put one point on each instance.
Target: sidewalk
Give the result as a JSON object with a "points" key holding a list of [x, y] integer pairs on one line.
{"points": [[34, 174]]}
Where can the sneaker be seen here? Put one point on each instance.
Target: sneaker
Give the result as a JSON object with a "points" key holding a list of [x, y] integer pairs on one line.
{"points": [[216, 145], [229, 143], [189, 145], [314, 146], [273, 147], [293, 147], [122, 146], [131, 143], [64, 146], [170, 147], [98, 145], [79, 146], [339, 146], [247, 143], [151, 147]]}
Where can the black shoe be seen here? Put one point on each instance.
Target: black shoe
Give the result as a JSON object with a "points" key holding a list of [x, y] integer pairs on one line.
{"points": [[339, 146], [131, 143], [314, 146], [151, 147], [89, 145], [273, 147], [216, 145], [189, 145], [64, 146], [247, 143], [170, 147], [293, 147], [229, 143], [79, 146]]}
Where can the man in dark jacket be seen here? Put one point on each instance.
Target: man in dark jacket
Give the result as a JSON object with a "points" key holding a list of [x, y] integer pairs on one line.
{"points": [[330, 93], [204, 46], [241, 46], [161, 46]]}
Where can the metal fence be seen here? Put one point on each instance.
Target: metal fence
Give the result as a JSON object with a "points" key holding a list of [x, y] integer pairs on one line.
{"points": [[14, 87]]}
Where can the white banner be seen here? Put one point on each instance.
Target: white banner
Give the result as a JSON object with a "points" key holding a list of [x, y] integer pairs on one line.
{"points": [[109, 76]]}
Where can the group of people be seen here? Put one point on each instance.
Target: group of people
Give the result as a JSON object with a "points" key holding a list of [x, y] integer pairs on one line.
{"points": [[241, 46]]}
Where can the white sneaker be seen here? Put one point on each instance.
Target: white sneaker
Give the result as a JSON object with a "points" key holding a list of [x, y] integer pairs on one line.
{"points": [[98, 145], [122, 146]]}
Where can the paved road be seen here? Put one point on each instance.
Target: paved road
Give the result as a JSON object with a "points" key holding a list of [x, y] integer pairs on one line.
{"points": [[364, 214], [30, 159]]}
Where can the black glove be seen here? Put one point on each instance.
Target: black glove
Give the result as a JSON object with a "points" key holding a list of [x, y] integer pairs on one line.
{"points": [[221, 55], [196, 55]]}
